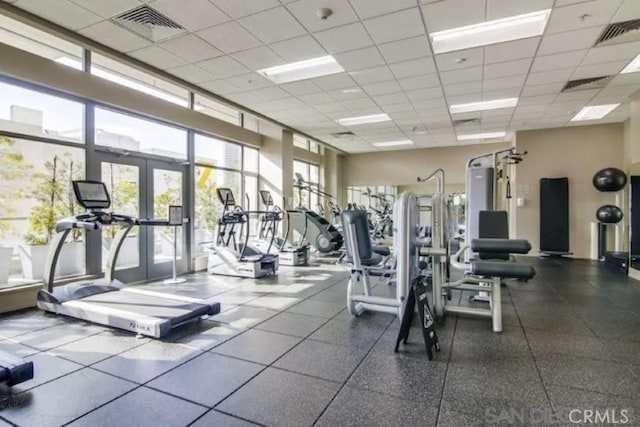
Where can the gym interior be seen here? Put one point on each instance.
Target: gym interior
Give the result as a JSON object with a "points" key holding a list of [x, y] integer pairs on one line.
{"points": [[319, 212]]}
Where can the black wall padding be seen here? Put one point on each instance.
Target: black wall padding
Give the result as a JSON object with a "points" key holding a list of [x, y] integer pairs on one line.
{"points": [[635, 215], [554, 215]]}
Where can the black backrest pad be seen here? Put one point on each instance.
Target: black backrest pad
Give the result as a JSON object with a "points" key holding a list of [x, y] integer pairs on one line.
{"points": [[503, 269], [359, 219], [511, 246], [493, 225]]}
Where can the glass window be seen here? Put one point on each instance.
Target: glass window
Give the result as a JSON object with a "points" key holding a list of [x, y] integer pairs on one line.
{"points": [[35, 194], [129, 133], [314, 174], [216, 152], [41, 43], [299, 141], [216, 109], [250, 160], [30, 112], [130, 77], [314, 147]]}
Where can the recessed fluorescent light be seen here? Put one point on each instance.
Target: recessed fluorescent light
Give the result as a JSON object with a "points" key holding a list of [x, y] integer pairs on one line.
{"points": [[633, 67], [393, 143], [490, 32], [307, 69], [483, 105], [354, 90], [360, 120], [594, 112], [487, 135]]}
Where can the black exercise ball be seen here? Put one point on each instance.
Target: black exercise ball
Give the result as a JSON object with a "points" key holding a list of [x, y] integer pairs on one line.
{"points": [[609, 179], [609, 214]]}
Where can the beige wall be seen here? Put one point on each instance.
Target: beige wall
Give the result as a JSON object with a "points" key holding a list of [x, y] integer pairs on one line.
{"points": [[403, 167], [573, 152], [430, 187]]}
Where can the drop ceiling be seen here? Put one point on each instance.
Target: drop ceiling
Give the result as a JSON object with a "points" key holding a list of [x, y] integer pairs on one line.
{"points": [[384, 47]]}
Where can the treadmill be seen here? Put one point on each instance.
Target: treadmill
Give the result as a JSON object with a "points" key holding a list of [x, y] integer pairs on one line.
{"points": [[14, 370], [106, 301]]}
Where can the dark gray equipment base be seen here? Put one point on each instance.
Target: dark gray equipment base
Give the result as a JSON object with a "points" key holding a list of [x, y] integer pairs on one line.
{"points": [[14, 370]]}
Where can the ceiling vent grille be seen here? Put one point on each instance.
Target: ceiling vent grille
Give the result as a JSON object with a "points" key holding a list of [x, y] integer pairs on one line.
{"points": [[149, 23], [620, 32], [464, 122], [345, 134], [585, 84]]}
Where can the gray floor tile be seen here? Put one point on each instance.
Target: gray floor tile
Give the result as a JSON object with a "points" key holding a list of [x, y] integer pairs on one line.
{"points": [[12, 347], [327, 361], [4, 423], [207, 379], [337, 294], [448, 417], [63, 400], [354, 407], [415, 346], [350, 334], [192, 289], [595, 375], [403, 377], [237, 296], [559, 322], [272, 302], [45, 339], [317, 308], [382, 319], [27, 321], [218, 419], [294, 399], [143, 407], [292, 324], [148, 361], [565, 399], [244, 316], [46, 367], [99, 347], [204, 335], [258, 346]]}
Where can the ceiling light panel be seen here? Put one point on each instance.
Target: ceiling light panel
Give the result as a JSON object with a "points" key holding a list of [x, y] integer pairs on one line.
{"points": [[633, 67], [487, 135], [491, 32], [361, 120], [393, 143], [301, 70], [594, 112], [494, 104]]}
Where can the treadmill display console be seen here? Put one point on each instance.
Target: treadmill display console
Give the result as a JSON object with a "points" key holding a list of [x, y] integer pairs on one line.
{"points": [[92, 194]]}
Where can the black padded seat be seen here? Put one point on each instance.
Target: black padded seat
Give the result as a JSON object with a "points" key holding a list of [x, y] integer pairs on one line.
{"points": [[503, 269], [373, 260], [510, 246], [381, 250]]}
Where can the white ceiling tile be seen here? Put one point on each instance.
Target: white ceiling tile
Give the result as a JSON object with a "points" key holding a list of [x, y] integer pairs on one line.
{"points": [[272, 25], [461, 76], [60, 11], [242, 98], [509, 68], [497, 9], [335, 81], [510, 51], [316, 98], [304, 87], [569, 40], [543, 89], [229, 37], [625, 79], [250, 81], [345, 38], [546, 77], [258, 58], [424, 94], [500, 93], [419, 82], [190, 47], [618, 90], [223, 67], [298, 49], [370, 8], [270, 93], [372, 75], [108, 8], [414, 67], [191, 73], [579, 95], [460, 59], [359, 59], [158, 57], [404, 50], [536, 100], [527, 109], [558, 60], [352, 92], [358, 104], [449, 14], [392, 108], [220, 87], [470, 88], [390, 99], [595, 70], [240, 8], [395, 26], [306, 12], [194, 15], [382, 88], [630, 9], [567, 18], [616, 52], [330, 107], [114, 36]]}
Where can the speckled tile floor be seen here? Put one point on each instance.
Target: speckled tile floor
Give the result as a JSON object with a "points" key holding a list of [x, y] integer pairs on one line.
{"points": [[284, 352]]}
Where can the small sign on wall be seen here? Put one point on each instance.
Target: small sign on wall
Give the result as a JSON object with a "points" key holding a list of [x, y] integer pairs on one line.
{"points": [[175, 215]]}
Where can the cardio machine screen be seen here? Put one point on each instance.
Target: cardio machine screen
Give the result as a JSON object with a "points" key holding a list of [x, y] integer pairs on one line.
{"points": [[91, 194]]}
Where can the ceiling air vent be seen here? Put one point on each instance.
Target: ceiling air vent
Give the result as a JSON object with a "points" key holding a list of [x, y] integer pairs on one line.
{"points": [[465, 122], [620, 32], [149, 23], [345, 134], [584, 84]]}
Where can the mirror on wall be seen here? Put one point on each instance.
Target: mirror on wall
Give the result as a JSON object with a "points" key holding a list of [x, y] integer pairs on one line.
{"points": [[372, 198]]}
